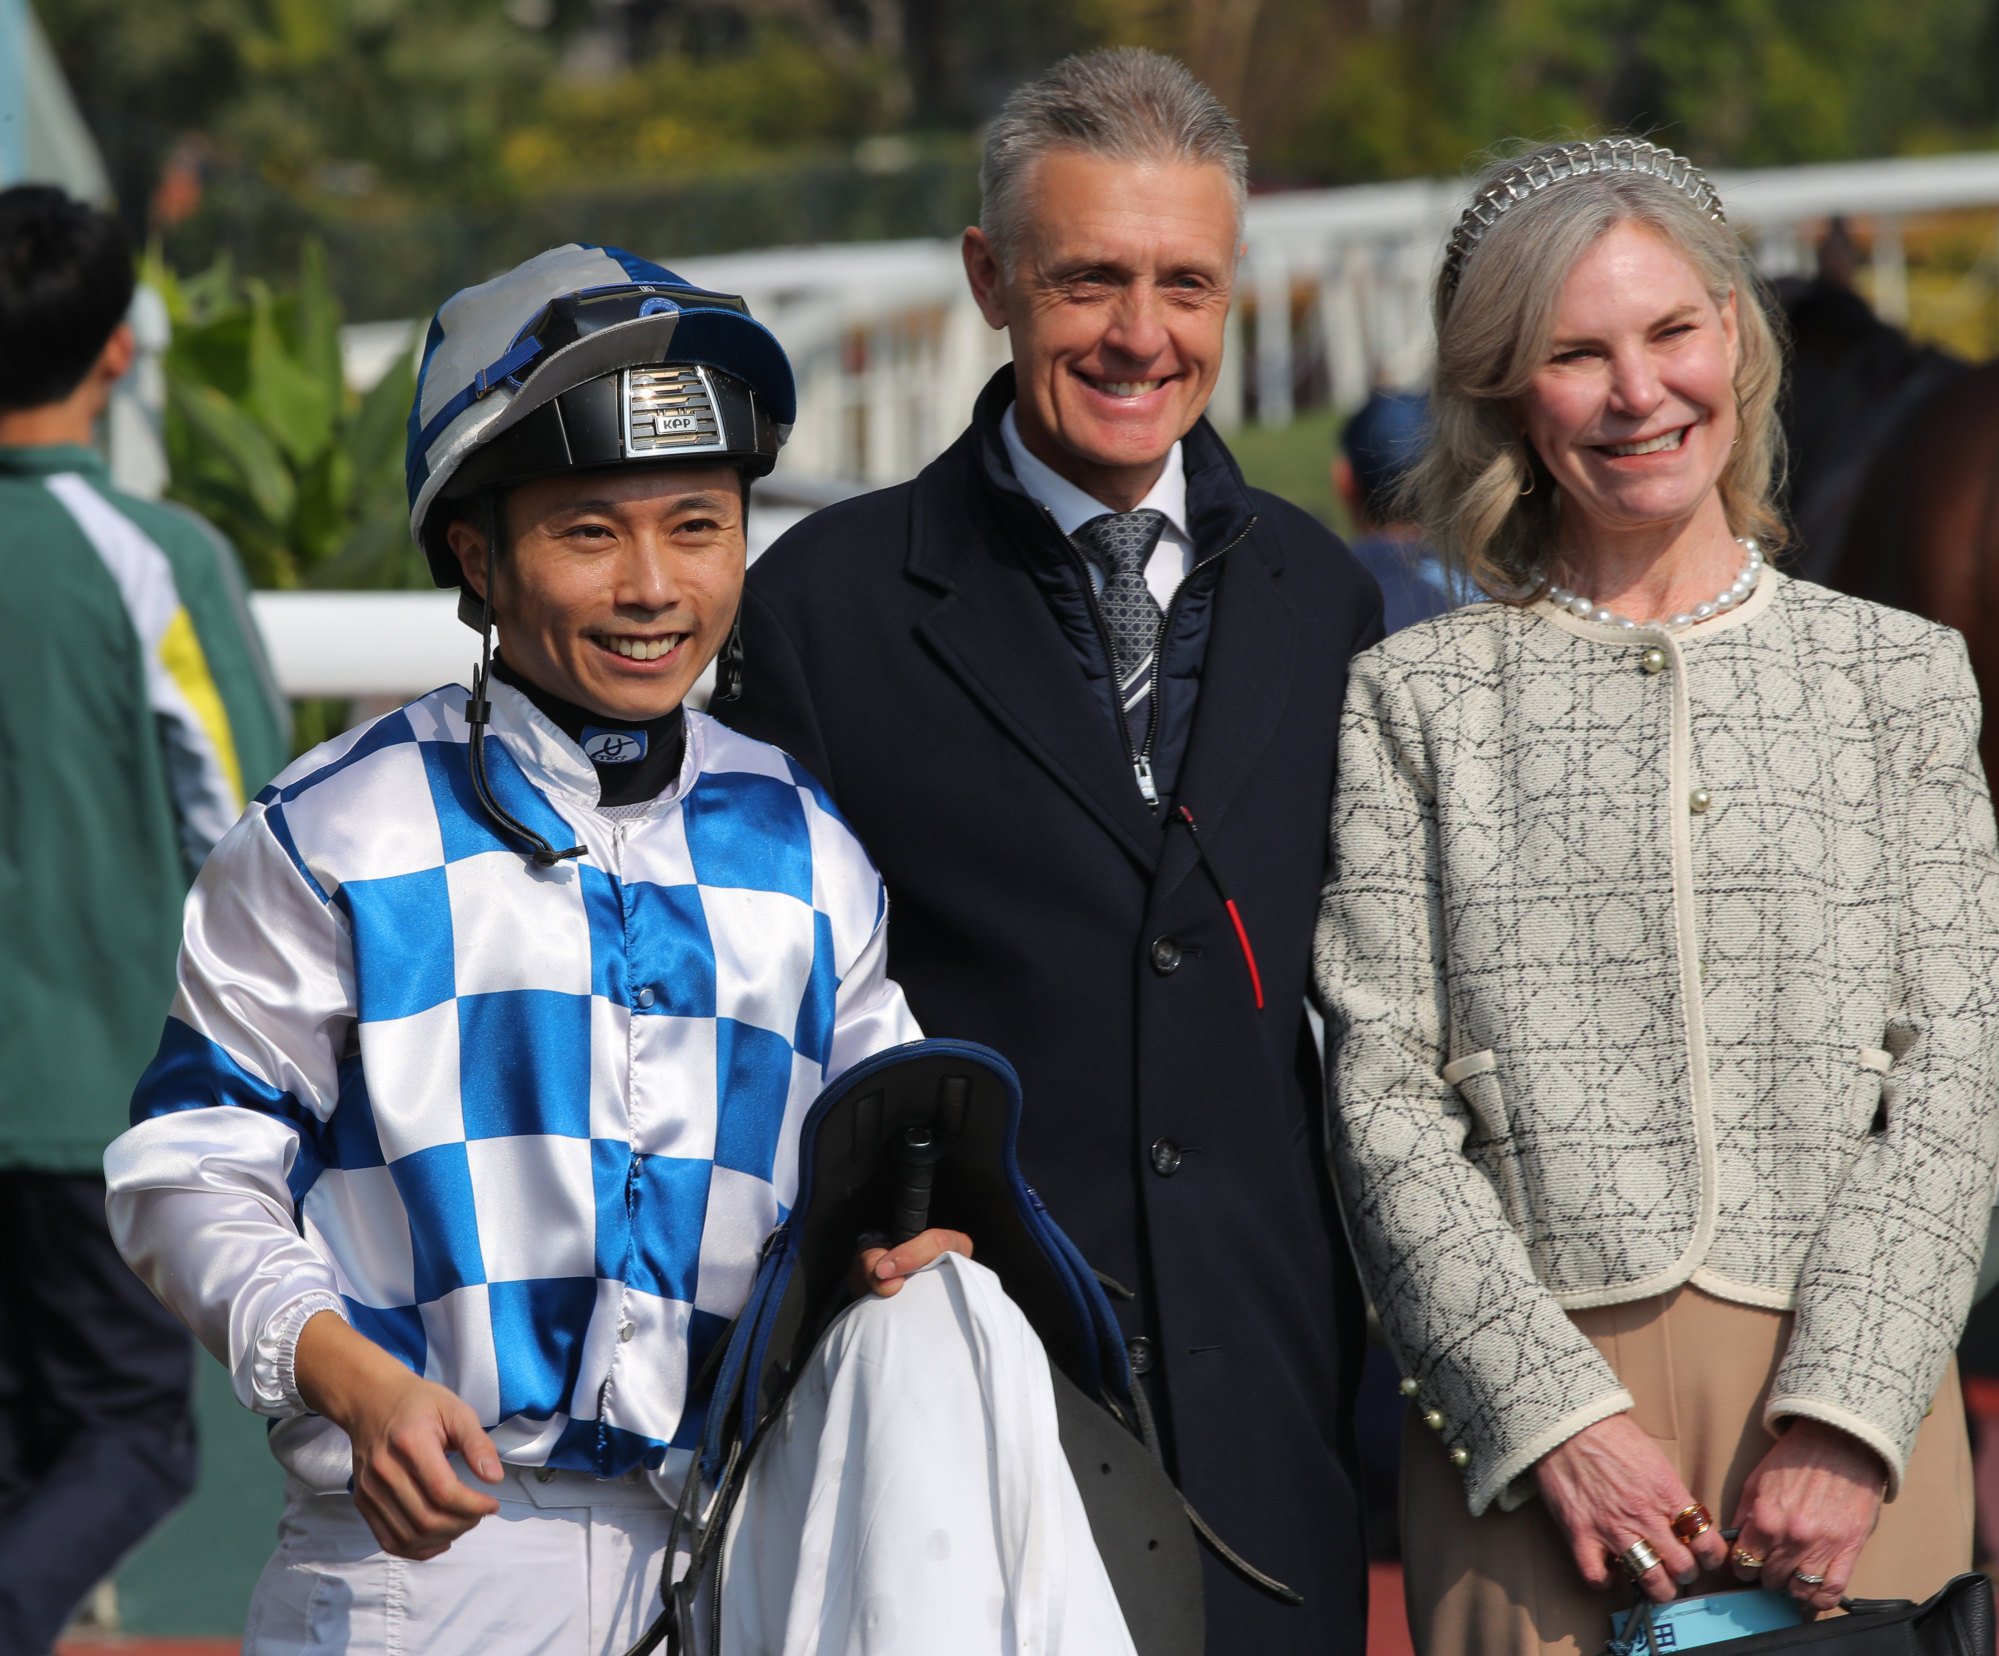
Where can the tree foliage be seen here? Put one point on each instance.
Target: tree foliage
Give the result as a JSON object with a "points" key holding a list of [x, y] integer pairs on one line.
{"points": [[265, 439], [413, 139]]}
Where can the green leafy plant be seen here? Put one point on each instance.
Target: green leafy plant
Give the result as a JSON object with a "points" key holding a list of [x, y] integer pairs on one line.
{"points": [[266, 440]]}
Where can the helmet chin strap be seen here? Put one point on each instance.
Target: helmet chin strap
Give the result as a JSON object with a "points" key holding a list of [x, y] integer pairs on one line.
{"points": [[729, 664], [479, 711]]}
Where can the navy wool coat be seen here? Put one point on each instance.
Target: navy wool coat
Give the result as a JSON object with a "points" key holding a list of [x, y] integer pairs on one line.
{"points": [[903, 647]]}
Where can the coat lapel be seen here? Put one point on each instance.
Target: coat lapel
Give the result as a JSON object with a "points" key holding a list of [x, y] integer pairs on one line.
{"points": [[994, 632], [1245, 684]]}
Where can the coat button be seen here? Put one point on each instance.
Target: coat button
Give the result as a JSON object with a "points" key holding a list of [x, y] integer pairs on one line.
{"points": [[626, 1331], [1139, 1349], [1165, 1158], [1699, 800], [544, 1474], [1433, 1420], [1165, 956], [1410, 1385], [1460, 1456], [1653, 660], [643, 997]]}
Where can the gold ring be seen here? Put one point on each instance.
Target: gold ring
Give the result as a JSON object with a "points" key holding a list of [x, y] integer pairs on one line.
{"points": [[1689, 1523], [1743, 1558]]}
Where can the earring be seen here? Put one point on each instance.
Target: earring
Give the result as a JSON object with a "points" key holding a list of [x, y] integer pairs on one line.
{"points": [[1529, 465]]}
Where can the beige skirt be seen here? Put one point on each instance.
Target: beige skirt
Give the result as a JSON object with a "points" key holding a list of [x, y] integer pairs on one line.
{"points": [[1698, 1368]]}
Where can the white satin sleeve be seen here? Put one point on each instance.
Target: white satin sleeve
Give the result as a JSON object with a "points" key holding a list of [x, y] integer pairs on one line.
{"points": [[869, 1012], [202, 1191]]}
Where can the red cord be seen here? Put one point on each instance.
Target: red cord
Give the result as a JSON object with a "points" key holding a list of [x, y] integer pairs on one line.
{"points": [[1182, 814], [1242, 937]]}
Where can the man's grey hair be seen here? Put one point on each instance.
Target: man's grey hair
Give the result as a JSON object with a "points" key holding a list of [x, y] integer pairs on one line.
{"points": [[1123, 103]]}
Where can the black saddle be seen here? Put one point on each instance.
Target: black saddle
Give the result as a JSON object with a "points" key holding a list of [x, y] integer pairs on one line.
{"points": [[922, 1135]]}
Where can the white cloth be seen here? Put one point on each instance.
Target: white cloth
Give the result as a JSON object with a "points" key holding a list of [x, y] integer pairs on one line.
{"points": [[569, 1567], [913, 1498], [1072, 507]]}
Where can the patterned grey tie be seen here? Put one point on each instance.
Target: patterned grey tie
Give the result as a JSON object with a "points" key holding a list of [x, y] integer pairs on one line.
{"points": [[1121, 543]]}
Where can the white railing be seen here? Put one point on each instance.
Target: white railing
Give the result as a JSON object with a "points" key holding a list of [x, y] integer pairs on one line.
{"points": [[890, 349], [890, 352]]}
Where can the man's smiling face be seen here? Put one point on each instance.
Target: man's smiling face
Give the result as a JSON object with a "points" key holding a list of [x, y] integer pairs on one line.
{"points": [[1114, 300], [616, 587]]}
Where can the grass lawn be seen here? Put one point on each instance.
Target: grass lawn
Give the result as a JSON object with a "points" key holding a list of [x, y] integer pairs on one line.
{"points": [[1292, 461]]}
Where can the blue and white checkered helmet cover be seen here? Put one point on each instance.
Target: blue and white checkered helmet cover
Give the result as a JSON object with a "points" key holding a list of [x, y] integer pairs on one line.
{"points": [[480, 375]]}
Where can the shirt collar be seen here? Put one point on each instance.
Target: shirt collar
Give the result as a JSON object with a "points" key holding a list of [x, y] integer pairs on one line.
{"points": [[1072, 507], [51, 460]]}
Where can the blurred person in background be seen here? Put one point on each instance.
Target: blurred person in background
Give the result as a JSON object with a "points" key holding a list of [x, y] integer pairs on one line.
{"points": [[1077, 688], [1660, 964], [136, 715], [1379, 446]]}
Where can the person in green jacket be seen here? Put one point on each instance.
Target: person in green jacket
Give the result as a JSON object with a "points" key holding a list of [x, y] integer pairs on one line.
{"points": [[137, 714]]}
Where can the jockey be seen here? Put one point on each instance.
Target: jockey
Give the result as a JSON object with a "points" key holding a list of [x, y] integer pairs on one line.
{"points": [[497, 1016]]}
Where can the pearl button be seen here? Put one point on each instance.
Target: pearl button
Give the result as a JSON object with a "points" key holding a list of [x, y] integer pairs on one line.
{"points": [[1653, 660], [1433, 1420], [1410, 1385], [644, 997], [626, 1331], [1459, 1456], [1699, 801]]}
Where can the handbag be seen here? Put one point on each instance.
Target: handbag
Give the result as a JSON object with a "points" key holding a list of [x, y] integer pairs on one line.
{"points": [[1956, 1621]]}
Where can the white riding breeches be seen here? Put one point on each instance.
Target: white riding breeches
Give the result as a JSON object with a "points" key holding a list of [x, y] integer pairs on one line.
{"points": [[567, 1567]]}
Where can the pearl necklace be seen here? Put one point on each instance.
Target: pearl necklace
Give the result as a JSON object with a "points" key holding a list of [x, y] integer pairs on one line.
{"points": [[1737, 590]]}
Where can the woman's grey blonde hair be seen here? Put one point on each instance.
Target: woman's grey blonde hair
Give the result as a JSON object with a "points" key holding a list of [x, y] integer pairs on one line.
{"points": [[1484, 498]]}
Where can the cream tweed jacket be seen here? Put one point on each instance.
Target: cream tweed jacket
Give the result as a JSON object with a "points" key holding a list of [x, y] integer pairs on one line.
{"points": [[1649, 960]]}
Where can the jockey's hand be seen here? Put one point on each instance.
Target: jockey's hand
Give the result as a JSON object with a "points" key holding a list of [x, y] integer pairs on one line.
{"points": [[402, 1428], [880, 1271]]}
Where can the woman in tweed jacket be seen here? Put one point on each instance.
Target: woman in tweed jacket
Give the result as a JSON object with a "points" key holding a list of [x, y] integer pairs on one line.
{"points": [[1660, 960]]}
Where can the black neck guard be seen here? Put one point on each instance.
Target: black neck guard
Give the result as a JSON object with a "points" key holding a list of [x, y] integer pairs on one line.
{"points": [[661, 743]]}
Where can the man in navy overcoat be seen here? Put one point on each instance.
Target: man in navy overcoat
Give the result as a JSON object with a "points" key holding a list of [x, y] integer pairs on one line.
{"points": [[1078, 689]]}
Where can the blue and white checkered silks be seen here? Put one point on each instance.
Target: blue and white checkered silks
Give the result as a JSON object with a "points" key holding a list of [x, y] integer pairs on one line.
{"points": [[481, 372], [529, 1125]]}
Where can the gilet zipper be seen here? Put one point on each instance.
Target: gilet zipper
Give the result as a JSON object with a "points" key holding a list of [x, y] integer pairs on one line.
{"points": [[1141, 756]]}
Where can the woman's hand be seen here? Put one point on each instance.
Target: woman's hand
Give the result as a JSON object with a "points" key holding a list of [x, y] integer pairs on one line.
{"points": [[1609, 1486], [402, 1427], [880, 1271], [1810, 1505]]}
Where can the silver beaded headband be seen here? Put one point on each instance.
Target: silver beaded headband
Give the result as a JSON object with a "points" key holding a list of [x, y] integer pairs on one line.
{"points": [[1546, 168]]}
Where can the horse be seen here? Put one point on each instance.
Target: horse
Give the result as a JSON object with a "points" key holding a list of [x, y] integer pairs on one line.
{"points": [[1853, 381], [1923, 532]]}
